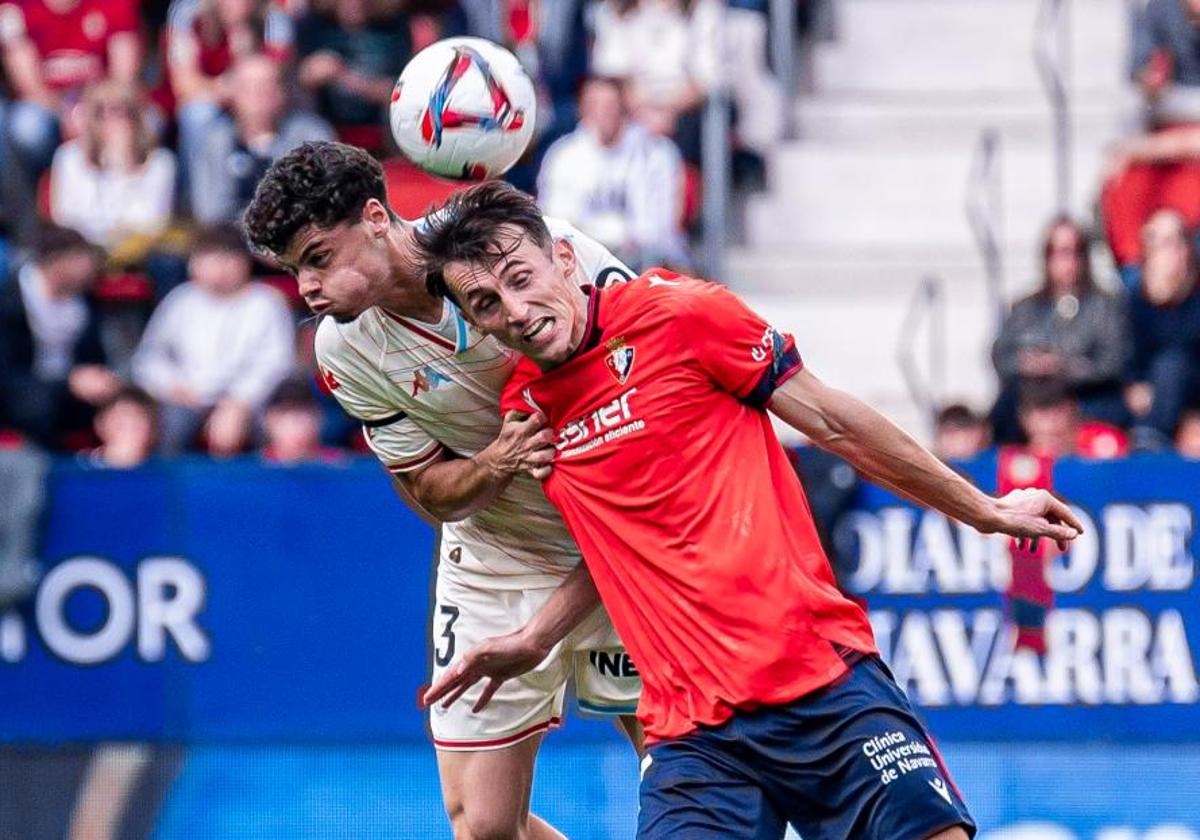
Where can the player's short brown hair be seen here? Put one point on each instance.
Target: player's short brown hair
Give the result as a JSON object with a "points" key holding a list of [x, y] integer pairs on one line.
{"points": [[470, 227], [322, 183]]}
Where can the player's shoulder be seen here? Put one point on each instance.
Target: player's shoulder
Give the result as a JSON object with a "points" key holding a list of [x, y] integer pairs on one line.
{"points": [[341, 346], [660, 290]]}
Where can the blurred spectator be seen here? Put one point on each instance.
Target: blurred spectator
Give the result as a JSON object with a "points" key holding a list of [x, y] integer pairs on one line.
{"points": [[52, 49], [617, 182], [113, 182], [204, 38], [215, 348], [1166, 59], [669, 51], [959, 434], [23, 489], [292, 426], [1160, 168], [52, 363], [1165, 315], [1187, 436], [1051, 421], [127, 426], [350, 55], [551, 41], [1069, 329], [757, 94], [237, 149]]}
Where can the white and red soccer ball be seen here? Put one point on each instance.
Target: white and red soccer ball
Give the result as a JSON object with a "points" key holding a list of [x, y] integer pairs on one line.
{"points": [[463, 108]]}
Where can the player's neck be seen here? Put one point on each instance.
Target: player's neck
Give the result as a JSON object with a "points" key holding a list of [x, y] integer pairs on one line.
{"points": [[406, 294]]}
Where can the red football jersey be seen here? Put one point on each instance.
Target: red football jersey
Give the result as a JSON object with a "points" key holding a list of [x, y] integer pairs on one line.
{"points": [[73, 46], [687, 510]]}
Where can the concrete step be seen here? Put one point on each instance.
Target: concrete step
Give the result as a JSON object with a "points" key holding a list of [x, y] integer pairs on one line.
{"points": [[851, 339], [951, 45], [843, 196], [920, 118]]}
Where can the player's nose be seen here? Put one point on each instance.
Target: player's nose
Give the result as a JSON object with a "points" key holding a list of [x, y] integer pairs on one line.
{"points": [[307, 284]]}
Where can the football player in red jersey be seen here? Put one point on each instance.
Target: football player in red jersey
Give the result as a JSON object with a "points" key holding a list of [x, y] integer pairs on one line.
{"points": [[764, 700]]}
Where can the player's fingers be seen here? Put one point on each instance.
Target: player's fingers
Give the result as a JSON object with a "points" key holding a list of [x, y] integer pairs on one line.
{"points": [[541, 473], [458, 692], [1060, 511], [540, 457], [447, 683], [486, 695], [543, 437]]}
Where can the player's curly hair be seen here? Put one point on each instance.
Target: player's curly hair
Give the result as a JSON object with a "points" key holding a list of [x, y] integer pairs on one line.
{"points": [[471, 227], [322, 183]]}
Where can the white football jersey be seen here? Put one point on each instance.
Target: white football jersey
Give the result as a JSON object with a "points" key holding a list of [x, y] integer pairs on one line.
{"points": [[423, 389]]}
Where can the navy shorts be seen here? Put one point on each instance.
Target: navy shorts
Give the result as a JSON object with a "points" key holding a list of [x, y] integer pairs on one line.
{"points": [[848, 762]]}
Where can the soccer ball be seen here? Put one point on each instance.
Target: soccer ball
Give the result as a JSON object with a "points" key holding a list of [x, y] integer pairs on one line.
{"points": [[463, 108]]}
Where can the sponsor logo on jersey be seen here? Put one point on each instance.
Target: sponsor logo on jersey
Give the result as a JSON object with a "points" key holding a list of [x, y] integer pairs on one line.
{"points": [[527, 395], [763, 349], [427, 379], [607, 423], [619, 360], [329, 380]]}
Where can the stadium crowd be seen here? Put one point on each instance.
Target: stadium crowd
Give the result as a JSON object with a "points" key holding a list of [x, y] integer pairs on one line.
{"points": [[132, 135]]}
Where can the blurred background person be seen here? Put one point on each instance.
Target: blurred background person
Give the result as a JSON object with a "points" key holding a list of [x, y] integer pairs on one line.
{"points": [[237, 148], [53, 369], [215, 348], [1068, 330], [1187, 435], [1158, 167], [669, 54], [52, 49], [1053, 425], [1164, 373], [292, 426], [350, 53], [960, 434], [127, 428], [617, 182], [114, 181], [551, 42], [203, 40]]}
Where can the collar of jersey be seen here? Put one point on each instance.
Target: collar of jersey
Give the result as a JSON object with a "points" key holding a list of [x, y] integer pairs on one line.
{"points": [[462, 332], [591, 333]]}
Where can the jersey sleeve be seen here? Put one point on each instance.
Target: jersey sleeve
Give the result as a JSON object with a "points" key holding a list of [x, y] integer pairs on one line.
{"points": [[742, 353], [367, 396], [596, 265]]}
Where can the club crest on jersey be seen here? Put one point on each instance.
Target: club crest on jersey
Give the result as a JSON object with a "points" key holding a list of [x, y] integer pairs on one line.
{"points": [[619, 360]]}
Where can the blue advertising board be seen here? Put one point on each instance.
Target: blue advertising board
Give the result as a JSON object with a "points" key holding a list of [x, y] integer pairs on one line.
{"points": [[275, 621], [1122, 637]]}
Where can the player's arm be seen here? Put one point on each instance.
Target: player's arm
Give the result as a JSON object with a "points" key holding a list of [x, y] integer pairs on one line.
{"points": [[453, 488], [880, 449], [503, 657]]}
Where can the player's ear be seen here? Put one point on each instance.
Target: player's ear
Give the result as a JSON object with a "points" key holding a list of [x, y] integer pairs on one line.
{"points": [[563, 254], [376, 217]]}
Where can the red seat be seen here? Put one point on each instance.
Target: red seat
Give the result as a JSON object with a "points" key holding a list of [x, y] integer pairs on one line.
{"points": [[128, 287], [412, 191], [369, 137]]}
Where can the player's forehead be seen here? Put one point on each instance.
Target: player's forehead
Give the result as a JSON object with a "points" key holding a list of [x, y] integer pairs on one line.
{"points": [[313, 237]]}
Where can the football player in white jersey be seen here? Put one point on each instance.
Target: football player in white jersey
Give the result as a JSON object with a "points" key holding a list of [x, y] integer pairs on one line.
{"points": [[426, 388]]}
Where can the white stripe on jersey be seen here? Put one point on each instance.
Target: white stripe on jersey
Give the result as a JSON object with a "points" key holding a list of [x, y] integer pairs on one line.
{"points": [[421, 387]]}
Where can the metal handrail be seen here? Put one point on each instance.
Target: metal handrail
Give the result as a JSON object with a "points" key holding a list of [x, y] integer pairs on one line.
{"points": [[985, 210], [715, 164], [928, 304], [782, 29], [1052, 54]]}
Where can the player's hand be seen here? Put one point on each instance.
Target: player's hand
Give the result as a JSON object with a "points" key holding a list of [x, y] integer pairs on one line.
{"points": [[525, 444], [1029, 515], [497, 660]]}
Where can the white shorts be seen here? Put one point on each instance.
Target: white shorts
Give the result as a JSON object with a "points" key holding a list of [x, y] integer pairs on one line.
{"points": [[605, 680]]}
